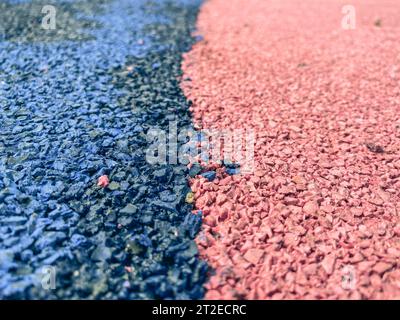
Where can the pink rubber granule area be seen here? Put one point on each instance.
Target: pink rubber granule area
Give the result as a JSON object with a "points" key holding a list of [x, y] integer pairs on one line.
{"points": [[319, 216]]}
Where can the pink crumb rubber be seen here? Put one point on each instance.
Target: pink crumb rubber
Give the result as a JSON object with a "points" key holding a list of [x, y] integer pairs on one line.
{"points": [[319, 216], [103, 181]]}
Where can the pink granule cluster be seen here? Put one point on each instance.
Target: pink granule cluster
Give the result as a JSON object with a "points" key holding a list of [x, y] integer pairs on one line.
{"points": [[319, 216]]}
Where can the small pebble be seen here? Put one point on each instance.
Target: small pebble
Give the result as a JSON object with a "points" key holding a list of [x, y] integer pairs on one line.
{"points": [[103, 181]]}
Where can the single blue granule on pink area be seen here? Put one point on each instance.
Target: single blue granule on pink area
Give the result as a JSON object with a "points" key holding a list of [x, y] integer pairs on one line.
{"points": [[232, 171], [209, 175]]}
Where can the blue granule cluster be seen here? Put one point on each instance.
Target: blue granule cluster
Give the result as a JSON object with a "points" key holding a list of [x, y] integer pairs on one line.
{"points": [[76, 103]]}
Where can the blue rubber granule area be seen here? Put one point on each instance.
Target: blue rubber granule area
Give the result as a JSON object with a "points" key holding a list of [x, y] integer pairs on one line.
{"points": [[77, 103]]}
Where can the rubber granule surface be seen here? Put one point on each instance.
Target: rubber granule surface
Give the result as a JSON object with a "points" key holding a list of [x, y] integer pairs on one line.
{"points": [[319, 216], [77, 196]]}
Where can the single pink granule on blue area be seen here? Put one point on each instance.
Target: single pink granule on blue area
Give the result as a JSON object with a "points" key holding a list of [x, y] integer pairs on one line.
{"points": [[103, 181]]}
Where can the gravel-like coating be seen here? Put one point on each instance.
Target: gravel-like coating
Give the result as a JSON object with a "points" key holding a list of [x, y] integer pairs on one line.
{"points": [[319, 216], [77, 105]]}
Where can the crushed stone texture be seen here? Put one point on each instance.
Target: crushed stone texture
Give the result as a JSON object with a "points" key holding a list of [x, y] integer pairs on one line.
{"points": [[319, 216], [76, 191]]}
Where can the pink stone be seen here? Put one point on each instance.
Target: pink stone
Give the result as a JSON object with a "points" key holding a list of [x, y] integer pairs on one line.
{"points": [[103, 181], [328, 264], [382, 267], [311, 207], [254, 255]]}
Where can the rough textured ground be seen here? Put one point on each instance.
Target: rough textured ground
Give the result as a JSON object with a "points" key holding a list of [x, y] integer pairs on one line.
{"points": [[319, 217], [75, 104]]}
